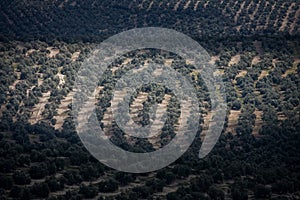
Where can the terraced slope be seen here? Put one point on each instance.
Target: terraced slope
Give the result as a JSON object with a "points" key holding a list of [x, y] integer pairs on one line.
{"points": [[261, 87]]}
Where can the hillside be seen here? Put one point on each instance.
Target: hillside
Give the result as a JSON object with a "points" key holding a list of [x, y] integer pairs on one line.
{"points": [[255, 47], [263, 107], [81, 19]]}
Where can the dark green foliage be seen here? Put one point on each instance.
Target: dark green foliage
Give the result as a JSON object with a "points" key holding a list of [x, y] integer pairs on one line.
{"points": [[156, 185], [88, 191], [181, 171], [201, 183], [7, 165], [172, 196], [55, 184], [40, 190], [262, 191], [215, 193], [167, 176], [72, 177], [6, 182], [15, 192], [238, 191], [38, 171], [91, 171], [187, 194], [108, 186], [236, 105], [283, 186], [124, 178], [142, 192], [26, 194], [21, 178]]}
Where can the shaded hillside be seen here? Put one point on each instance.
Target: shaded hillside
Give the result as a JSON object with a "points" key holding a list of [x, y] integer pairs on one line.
{"points": [[63, 18]]}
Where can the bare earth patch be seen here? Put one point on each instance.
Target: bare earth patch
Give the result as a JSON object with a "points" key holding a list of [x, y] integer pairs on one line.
{"points": [[281, 116], [61, 5], [150, 6], [87, 110], [124, 63], [238, 28], [274, 62], [181, 128], [29, 52], [205, 5], [207, 119], [190, 62], [157, 124], [196, 5], [242, 73], [127, 61], [263, 74], [108, 115], [107, 120], [233, 121], [141, 68], [293, 70], [61, 79], [62, 113], [213, 59], [234, 60], [53, 52], [258, 122], [36, 113], [187, 5], [168, 62], [75, 56], [219, 72], [177, 5], [137, 105], [28, 90], [114, 69], [255, 60]]}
